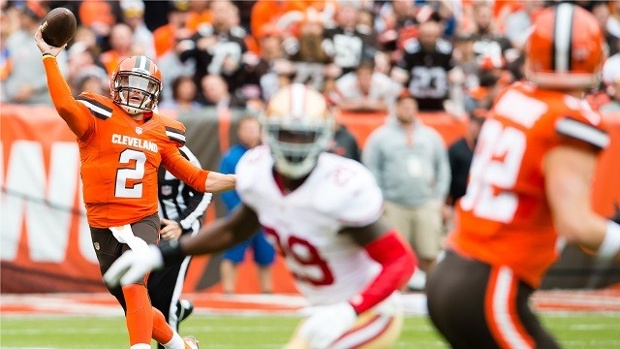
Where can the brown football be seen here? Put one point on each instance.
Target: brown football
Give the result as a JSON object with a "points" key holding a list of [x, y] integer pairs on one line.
{"points": [[59, 26]]}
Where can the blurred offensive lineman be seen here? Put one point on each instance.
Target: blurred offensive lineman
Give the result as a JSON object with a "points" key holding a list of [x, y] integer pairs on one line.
{"points": [[122, 143], [529, 192], [323, 212]]}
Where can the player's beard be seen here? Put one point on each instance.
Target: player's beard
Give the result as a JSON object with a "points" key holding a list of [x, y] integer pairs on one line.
{"points": [[310, 48]]}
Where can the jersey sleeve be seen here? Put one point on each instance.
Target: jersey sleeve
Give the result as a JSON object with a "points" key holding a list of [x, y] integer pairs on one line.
{"points": [[75, 114], [175, 162], [175, 130], [582, 130], [197, 202], [181, 168], [351, 195]]}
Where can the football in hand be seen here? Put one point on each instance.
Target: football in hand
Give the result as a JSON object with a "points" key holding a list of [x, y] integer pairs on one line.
{"points": [[59, 26]]}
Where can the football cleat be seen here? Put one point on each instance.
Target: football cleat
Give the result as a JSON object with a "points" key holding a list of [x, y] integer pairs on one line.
{"points": [[191, 342], [184, 309]]}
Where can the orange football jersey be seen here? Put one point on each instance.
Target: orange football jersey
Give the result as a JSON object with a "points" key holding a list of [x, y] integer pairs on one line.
{"points": [[119, 156], [504, 218]]}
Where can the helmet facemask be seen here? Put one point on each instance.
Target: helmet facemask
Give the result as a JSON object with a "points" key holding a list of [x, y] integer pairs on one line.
{"points": [[135, 91], [296, 144]]}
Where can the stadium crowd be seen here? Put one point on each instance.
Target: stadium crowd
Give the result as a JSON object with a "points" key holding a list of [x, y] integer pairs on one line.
{"points": [[452, 56]]}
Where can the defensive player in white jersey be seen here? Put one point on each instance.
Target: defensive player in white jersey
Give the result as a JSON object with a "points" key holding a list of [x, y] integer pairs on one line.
{"points": [[323, 212]]}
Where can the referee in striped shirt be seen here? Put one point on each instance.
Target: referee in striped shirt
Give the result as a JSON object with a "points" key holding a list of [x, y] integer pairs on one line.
{"points": [[180, 209]]}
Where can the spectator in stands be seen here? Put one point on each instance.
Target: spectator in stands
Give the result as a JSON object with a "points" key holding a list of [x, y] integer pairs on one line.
{"points": [[93, 79], [6, 27], [308, 51], [396, 24], [483, 94], [268, 12], [611, 68], [366, 21], [88, 37], [99, 16], [26, 83], [365, 90], [248, 137], [133, 16], [199, 13], [460, 154], [344, 143], [257, 70], [518, 23], [184, 94], [488, 40], [428, 61], [121, 46], [346, 42], [171, 63], [83, 63], [613, 106], [282, 74], [613, 23], [167, 36], [601, 10], [215, 93], [410, 162], [218, 47]]}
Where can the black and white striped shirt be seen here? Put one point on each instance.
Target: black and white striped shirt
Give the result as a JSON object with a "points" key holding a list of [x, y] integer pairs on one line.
{"points": [[180, 202]]}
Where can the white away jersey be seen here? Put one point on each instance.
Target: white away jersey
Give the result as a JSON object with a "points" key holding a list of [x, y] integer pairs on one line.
{"points": [[304, 224]]}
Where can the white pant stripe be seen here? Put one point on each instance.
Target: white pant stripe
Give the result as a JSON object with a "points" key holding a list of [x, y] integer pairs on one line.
{"points": [[501, 311]]}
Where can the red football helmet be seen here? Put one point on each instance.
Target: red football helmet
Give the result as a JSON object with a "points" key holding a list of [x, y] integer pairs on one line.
{"points": [[565, 49], [135, 84]]}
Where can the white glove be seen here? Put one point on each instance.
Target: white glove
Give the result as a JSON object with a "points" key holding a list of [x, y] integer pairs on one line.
{"points": [[327, 324], [133, 265]]}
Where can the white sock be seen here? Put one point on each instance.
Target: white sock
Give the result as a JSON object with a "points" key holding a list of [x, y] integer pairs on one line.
{"points": [[140, 346], [175, 343]]}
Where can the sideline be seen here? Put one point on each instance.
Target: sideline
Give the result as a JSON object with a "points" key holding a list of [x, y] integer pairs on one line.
{"points": [[103, 304]]}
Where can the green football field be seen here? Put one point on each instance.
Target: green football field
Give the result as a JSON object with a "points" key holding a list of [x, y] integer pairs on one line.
{"points": [[579, 331]]}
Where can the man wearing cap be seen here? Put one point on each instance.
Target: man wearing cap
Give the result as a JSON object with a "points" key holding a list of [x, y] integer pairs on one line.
{"points": [[365, 90], [410, 163]]}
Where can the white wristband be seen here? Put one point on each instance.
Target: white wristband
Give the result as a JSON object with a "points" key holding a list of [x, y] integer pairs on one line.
{"points": [[611, 243]]}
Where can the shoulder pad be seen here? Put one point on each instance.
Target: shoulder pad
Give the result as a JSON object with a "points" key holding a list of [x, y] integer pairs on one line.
{"points": [[412, 45], [582, 131], [349, 192], [175, 130], [99, 106]]}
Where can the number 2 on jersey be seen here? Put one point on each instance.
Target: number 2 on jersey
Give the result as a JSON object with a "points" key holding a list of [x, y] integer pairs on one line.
{"points": [[121, 189], [494, 171]]}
